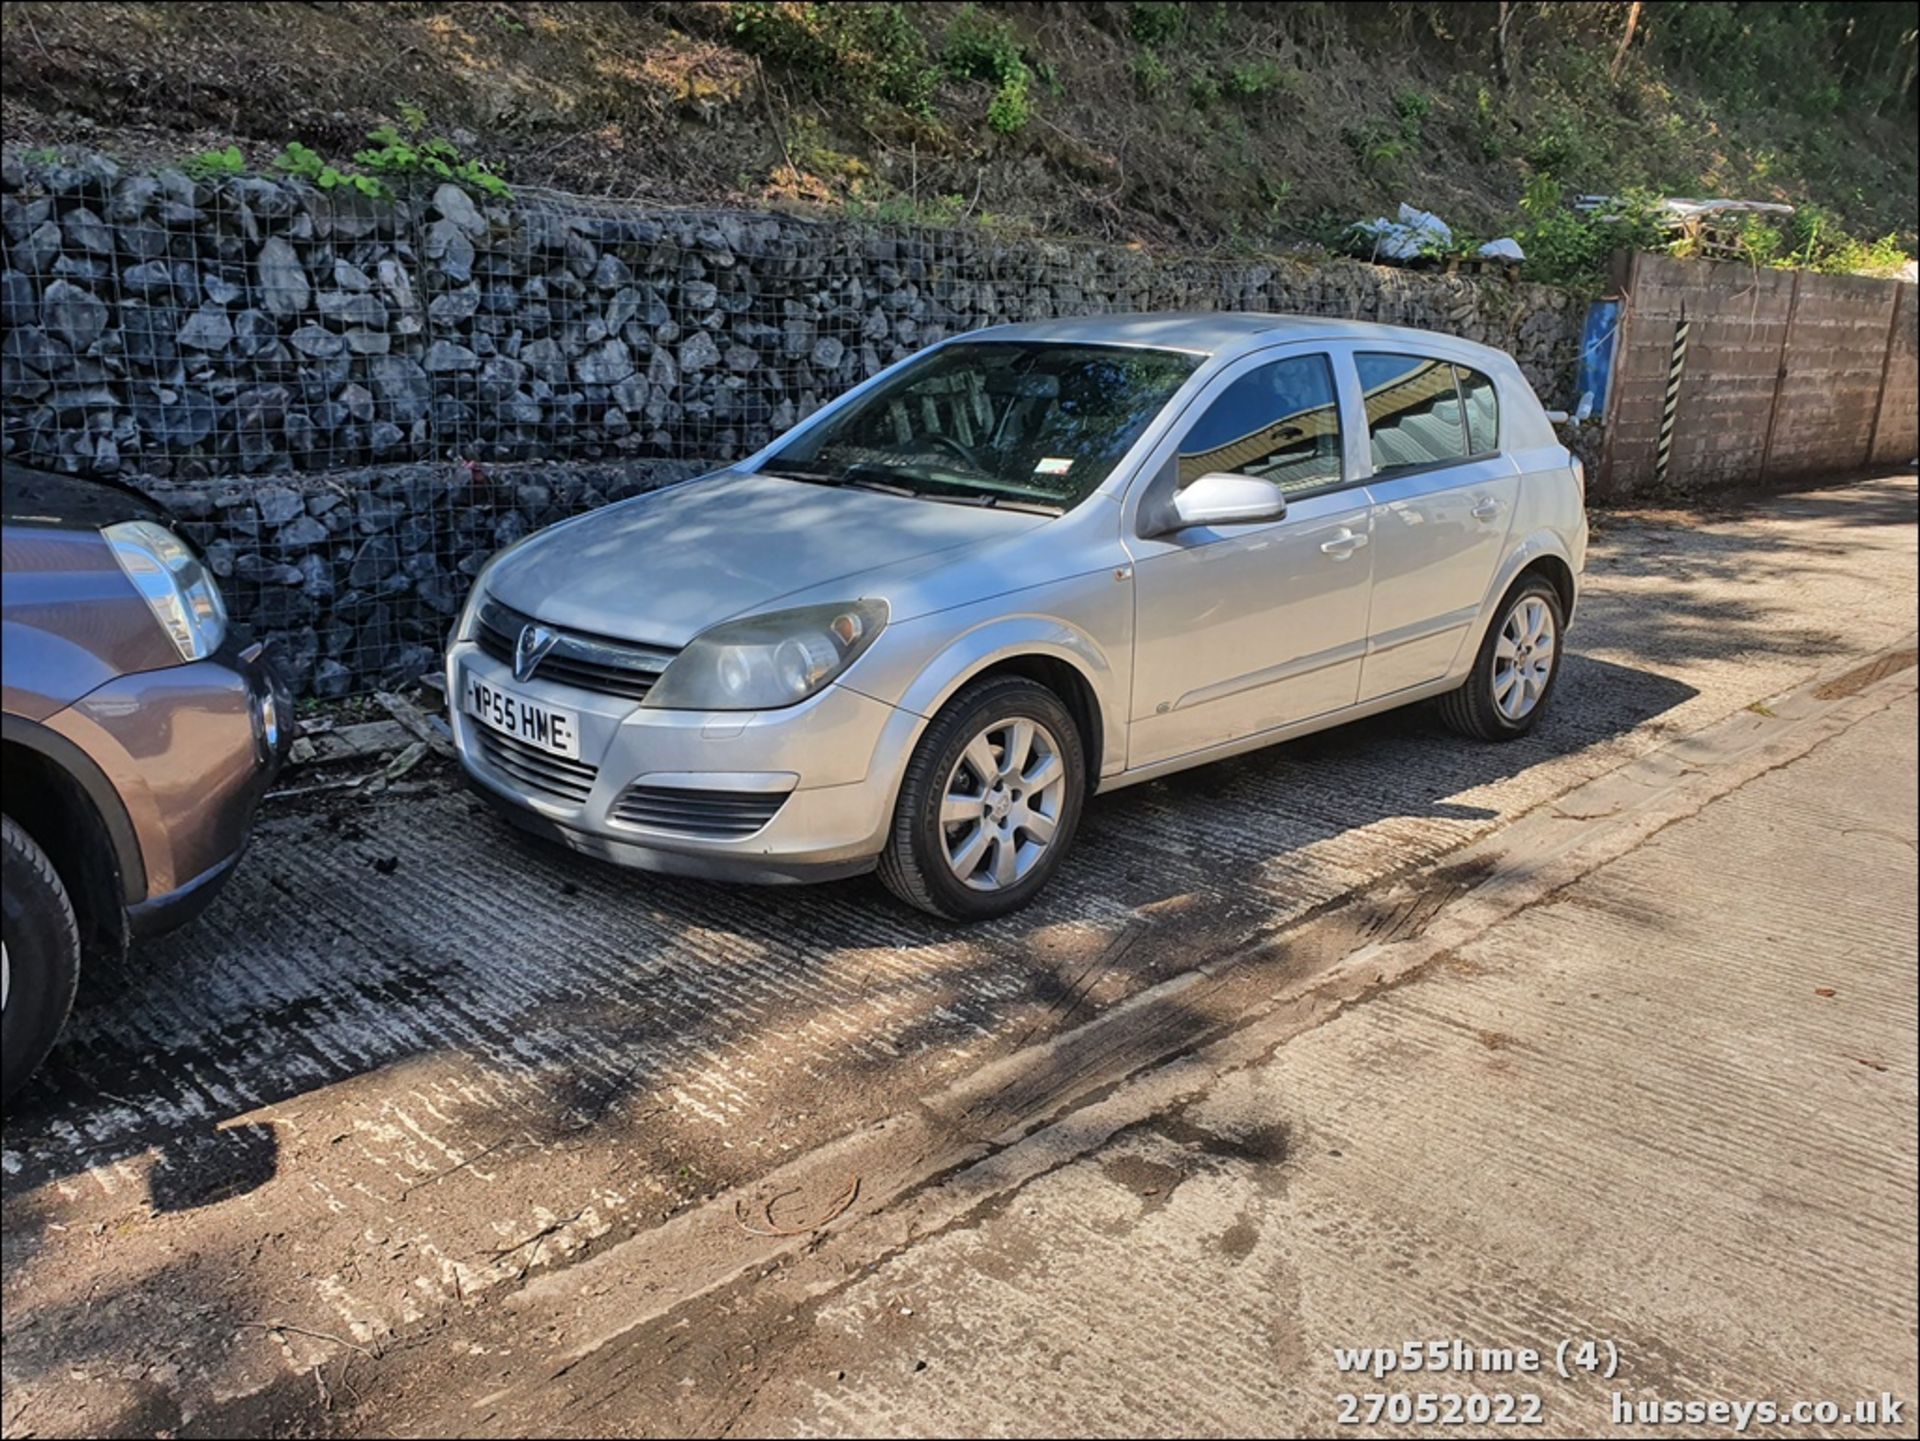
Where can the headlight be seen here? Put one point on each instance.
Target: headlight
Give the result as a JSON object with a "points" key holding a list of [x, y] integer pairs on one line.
{"points": [[762, 662], [179, 589]]}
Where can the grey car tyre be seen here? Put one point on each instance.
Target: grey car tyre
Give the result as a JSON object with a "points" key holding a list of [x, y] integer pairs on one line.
{"points": [[916, 864], [1473, 709], [42, 957]]}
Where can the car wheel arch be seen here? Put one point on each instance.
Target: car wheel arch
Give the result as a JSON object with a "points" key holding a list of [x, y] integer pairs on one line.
{"points": [[1540, 554], [1041, 648], [60, 798]]}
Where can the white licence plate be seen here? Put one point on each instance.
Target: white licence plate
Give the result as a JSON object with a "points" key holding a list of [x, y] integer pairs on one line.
{"points": [[548, 727]]}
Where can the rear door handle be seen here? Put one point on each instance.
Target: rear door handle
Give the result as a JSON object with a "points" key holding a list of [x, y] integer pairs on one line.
{"points": [[1343, 545], [1487, 509]]}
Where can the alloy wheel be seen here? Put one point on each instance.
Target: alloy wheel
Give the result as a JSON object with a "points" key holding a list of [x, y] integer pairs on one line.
{"points": [[1523, 658], [1001, 805]]}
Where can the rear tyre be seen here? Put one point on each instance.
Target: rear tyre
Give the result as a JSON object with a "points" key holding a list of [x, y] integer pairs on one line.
{"points": [[39, 957], [989, 804], [1513, 675]]}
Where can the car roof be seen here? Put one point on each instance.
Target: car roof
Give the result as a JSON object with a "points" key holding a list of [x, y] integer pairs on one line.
{"points": [[1213, 332]]}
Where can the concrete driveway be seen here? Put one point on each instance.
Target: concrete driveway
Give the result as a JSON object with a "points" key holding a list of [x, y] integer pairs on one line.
{"points": [[410, 1064]]}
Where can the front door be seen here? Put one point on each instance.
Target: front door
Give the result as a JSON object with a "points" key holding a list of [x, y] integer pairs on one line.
{"points": [[1245, 628]]}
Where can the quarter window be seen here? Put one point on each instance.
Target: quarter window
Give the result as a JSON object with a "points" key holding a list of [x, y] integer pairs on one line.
{"points": [[1483, 410], [1413, 411], [1278, 422]]}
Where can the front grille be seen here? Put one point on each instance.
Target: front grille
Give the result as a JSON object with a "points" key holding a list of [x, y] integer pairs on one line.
{"points": [[710, 815], [538, 770], [608, 667]]}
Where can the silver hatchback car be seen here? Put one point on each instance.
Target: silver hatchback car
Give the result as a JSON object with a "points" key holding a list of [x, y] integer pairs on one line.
{"points": [[920, 629]]}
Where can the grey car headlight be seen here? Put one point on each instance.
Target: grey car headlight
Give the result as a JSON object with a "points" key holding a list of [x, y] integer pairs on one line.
{"points": [[179, 590], [763, 662]]}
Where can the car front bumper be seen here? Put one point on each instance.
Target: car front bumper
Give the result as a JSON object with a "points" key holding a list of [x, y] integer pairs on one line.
{"points": [[824, 773], [188, 750]]}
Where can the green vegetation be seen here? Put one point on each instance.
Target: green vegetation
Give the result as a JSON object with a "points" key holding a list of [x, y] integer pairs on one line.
{"points": [[873, 52], [1154, 24], [980, 47], [1265, 126], [411, 151], [213, 164]]}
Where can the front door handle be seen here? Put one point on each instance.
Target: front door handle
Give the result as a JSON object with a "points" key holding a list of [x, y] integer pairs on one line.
{"points": [[1343, 545], [1487, 509]]}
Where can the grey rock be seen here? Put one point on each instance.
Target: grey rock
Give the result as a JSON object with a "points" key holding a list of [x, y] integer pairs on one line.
{"points": [[350, 307], [19, 299], [277, 505], [604, 365], [386, 436], [368, 342], [444, 355], [331, 679], [741, 359], [87, 231], [827, 352], [348, 276], [132, 198], [698, 352], [318, 341], [302, 533], [453, 306], [282, 282], [255, 333], [219, 289], [611, 273], [207, 329], [699, 294], [183, 418], [316, 576], [149, 278], [358, 401], [547, 361], [76, 316], [449, 244], [456, 206], [402, 386]]}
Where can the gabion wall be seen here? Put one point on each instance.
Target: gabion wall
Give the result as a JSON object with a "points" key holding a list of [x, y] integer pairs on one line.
{"points": [[314, 380]]}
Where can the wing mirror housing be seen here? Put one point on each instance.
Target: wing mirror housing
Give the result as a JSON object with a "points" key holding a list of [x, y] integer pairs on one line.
{"points": [[1221, 498]]}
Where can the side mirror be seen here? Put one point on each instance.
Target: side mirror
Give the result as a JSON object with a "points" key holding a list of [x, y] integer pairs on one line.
{"points": [[1219, 498]]}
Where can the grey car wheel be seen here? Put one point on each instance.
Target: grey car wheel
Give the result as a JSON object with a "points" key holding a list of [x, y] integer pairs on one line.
{"points": [[989, 802], [1514, 672]]}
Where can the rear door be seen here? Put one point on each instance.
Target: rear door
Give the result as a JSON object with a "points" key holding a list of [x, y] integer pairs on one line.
{"points": [[1243, 628], [1443, 496]]}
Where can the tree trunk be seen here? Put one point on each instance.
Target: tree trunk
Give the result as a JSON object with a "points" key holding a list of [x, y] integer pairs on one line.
{"points": [[1620, 55], [1503, 71]]}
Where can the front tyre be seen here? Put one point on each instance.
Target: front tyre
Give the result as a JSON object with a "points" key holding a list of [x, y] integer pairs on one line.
{"points": [[1513, 675], [989, 804], [39, 957]]}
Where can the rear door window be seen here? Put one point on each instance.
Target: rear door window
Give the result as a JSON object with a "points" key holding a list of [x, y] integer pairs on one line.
{"points": [[1414, 416], [1482, 404], [1279, 422]]}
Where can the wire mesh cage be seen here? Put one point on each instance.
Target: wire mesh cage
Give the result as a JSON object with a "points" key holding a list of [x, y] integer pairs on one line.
{"points": [[350, 402]]}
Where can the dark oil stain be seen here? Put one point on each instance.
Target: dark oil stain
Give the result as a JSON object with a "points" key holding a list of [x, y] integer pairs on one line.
{"points": [[1152, 1181], [1264, 1148], [1238, 1239]]}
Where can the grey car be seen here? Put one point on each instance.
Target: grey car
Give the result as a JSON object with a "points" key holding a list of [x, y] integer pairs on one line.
{"points": [[139, 737], [1024, 565]]}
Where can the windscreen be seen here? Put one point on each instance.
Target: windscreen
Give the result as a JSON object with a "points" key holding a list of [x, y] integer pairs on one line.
{"points": [[993, 422]]}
